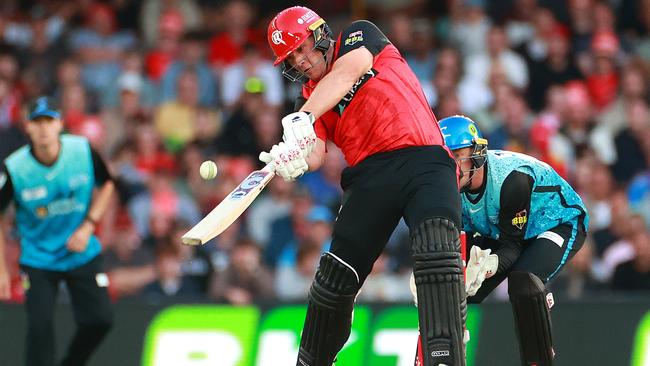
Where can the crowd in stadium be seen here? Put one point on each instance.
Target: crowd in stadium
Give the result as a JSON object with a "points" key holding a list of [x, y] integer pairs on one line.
{"points": [[159, 86]]}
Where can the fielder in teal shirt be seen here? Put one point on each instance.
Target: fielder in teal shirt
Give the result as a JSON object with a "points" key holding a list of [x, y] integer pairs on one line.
{"points": [[529, 221], [60, 188]]}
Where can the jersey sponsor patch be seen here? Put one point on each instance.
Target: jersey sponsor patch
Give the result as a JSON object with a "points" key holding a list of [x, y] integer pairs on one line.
{"points": [[41, 211], [520, 219], [353, 38], [32, 194], [347, 99], [554, 237]]}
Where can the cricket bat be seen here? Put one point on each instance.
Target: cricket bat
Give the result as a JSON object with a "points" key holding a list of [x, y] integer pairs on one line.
{"points": [[226, 212]]}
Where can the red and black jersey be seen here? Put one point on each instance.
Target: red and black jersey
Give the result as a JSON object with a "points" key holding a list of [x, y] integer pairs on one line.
{"points": [[385, 110]]}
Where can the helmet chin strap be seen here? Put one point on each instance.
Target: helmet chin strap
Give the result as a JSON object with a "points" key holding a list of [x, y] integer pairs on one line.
{"points": [[467, 185]]}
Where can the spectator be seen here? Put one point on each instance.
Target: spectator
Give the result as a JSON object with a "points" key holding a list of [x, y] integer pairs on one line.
{"points": [[154, 17], [129, 265], [133, 79], [621, 250], [176, 120], [477, 68], [422, 59], [469, 25], [634, 85], [165, 49], [9, 104], [556, 68], [235, 79], [634, 275], [603, 78], [239, 137], [191, 56], [577, 121], [100, 47], [170, 284], [292, 282], [246, 280], [227, 47], [639, 195], [384, 286], [162, 199], [323, 184], [513, 134], [446, 76], [629, 143], [274, 204], [120, 121], [290, 229]]}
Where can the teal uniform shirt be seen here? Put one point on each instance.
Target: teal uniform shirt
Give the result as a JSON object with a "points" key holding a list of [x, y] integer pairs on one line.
{"points": [[51, 203], [552, 200]]}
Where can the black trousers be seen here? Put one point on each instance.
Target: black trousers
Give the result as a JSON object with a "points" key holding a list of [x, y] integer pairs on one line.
{"points": [[91, 305], [416, 183], [540, 256]]}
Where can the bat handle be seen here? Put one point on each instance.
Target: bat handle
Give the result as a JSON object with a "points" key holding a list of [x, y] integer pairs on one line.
{"points": [[268, 159]]}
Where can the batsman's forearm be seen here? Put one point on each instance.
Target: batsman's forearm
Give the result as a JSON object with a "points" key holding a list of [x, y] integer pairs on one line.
{"points": [[337, 83], [329, 91], [101, 200]]}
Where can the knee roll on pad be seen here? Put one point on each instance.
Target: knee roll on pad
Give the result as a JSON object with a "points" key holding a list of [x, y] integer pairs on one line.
{"points": [[329, 312], [532, 318], [441, 295]]}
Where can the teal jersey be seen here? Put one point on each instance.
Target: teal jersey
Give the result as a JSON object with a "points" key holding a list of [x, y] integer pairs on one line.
{"points": [[552, 201], [51, 202]]}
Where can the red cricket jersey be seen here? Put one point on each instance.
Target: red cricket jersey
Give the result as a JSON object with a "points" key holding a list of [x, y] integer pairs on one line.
{"points": [[385, 110]]}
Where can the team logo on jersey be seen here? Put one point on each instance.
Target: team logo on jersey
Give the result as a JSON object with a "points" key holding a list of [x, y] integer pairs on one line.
{"points": [[520, 219], [41, 211], [353, 38], [276, 37]]}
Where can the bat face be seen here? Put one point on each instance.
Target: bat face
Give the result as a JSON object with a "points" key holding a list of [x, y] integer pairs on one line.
{"points": [[229, 209], [249, 184]]}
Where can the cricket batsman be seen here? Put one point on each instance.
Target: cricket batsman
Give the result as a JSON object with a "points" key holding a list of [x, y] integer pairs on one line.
{"points": [[359, 92]]}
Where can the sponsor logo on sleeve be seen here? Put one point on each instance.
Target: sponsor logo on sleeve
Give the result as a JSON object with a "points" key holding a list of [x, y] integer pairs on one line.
{"points": [[353, 38], [554, 237], [520, 219]]}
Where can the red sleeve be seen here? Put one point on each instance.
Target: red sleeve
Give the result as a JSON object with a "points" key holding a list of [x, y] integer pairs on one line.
{"points": [[321, 130]]}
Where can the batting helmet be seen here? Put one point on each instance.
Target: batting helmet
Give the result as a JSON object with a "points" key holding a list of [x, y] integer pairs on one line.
{"points": [[291, 28]]}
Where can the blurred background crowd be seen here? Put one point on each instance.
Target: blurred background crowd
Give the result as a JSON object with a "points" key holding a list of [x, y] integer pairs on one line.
{"points": [[158, 86]]}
